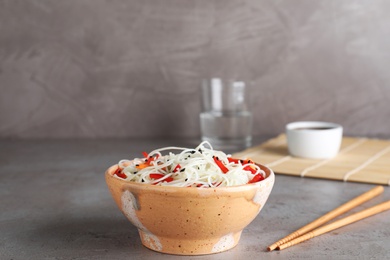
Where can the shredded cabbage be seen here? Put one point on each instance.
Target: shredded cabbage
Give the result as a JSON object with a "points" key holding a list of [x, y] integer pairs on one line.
{"points": [[198, 167]]}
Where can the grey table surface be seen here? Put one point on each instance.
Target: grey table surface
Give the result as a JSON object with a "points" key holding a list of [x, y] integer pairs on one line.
{"points": [[55, 205]]}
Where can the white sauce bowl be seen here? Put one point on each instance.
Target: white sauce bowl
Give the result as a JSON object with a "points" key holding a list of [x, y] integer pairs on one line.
{"points": [[314, 139]]}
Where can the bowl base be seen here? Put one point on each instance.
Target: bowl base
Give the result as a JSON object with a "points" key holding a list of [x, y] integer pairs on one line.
{"points": [[177, 246]]}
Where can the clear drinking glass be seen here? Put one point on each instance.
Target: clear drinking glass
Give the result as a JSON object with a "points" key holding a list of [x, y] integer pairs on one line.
{"points": [[226, 121]]}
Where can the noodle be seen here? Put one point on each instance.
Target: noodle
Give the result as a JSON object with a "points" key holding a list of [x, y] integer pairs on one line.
{"points": [[200, 167]]}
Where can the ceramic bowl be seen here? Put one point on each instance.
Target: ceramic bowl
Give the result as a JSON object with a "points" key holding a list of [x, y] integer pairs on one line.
{"points": [[189, 221], [314, 139]]}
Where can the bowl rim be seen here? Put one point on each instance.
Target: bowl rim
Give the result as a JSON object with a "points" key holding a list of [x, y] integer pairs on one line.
{"points": [[294, 126], [269, 177]]}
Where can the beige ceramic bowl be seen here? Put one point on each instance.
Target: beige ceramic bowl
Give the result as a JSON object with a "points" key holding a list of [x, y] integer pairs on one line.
{"points": [[189, 221]]}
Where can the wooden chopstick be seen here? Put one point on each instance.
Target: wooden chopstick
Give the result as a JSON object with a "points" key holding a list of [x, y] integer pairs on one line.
{"points": [[330, 215], [339, 223]]}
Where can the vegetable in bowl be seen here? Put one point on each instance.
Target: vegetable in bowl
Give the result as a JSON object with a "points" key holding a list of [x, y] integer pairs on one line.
{"points": [[201, 167]]}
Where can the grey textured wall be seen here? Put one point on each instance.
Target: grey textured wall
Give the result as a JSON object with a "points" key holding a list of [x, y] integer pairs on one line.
{"points": [[120, 68]]}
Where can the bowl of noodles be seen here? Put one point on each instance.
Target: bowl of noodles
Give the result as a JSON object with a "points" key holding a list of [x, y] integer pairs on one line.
{"points": [[189, 201]]}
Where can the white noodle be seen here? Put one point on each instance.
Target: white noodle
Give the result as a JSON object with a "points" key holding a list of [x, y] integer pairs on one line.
{"points": [[197, 168]]}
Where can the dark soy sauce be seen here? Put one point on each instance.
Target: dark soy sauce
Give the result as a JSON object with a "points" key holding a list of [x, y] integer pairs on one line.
{"points": [[313, 128]]}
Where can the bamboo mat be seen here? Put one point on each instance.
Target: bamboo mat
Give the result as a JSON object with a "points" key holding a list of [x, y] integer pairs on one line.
{"points": [[359, 160]]}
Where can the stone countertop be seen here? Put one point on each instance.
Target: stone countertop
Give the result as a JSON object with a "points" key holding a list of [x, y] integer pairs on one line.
{"points": [[55, 205]]}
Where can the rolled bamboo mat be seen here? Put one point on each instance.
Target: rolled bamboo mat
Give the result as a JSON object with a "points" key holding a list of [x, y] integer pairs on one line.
{"points": [[359, 160]]}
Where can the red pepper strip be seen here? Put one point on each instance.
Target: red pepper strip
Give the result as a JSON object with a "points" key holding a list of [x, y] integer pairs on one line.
{"points": [[157, 176], [236, 161], [256, 178], [221, 165], [249, 168], [149, 159], [118, 172], [178, 167], [146, 155]]}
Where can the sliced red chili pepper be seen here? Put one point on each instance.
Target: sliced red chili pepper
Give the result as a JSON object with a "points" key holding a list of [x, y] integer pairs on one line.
{"points": [[149, 159], [246, 161], [236, 161], [118, 172], [249, 168], [157, 176], [256, 178], [233, 160], [178, 167], [220, 165]]}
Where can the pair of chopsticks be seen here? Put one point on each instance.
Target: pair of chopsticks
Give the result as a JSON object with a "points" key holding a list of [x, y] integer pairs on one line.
{"points": [[313, 229]]}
